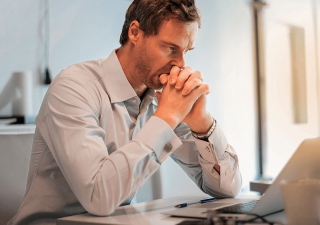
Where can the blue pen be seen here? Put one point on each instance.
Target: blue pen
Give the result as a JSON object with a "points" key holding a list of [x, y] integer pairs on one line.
{"points": [[201, 201]]}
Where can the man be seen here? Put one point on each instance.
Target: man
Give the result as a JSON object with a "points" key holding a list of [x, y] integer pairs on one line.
{"points": [[101, 131]]}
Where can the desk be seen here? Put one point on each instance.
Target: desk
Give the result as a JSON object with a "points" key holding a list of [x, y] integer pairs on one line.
{"points": [[18, 129], [146, 213]]}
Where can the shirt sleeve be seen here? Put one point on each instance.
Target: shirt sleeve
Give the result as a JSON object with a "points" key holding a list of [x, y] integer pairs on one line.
{"points": [[100, 181], [197, 158]]}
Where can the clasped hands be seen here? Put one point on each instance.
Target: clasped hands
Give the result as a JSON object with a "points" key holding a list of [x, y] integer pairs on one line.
{"points": [[183, 99]]}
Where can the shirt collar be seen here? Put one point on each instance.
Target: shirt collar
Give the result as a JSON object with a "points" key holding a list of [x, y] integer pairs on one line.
{"points": [[116, 82], [117, 85]]}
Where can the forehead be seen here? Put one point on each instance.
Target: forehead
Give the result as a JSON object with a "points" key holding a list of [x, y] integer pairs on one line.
{"points": [[182, 34]]}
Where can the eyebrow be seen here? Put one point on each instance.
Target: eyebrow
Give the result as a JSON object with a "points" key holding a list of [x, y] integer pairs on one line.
{"points": [[173, 44]]}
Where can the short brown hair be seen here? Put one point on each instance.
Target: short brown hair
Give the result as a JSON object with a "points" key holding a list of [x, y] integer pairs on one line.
{"points": [[150, 14]]}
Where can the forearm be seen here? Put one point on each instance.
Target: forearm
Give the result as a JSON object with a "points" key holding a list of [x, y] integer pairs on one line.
{"points": [[200, 158], [227, 183], [101, 182]]}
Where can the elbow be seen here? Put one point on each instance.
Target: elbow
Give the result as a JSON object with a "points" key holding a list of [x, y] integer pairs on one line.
{"points": [[229, 188], [100, 213], [96, 209], [235, 185], [99, 204], [101, 198]]}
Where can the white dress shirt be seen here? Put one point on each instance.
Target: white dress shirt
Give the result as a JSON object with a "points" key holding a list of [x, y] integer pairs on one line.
{"points": [[96, 143]]}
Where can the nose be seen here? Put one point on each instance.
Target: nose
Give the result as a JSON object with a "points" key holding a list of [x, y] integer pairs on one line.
{"points": [[179, 61]]}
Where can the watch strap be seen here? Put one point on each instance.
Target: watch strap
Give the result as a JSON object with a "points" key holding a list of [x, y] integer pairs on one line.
{"points": [[206, 135]]}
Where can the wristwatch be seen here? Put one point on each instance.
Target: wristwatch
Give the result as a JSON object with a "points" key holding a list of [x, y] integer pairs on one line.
{"points": [[205, 136]]}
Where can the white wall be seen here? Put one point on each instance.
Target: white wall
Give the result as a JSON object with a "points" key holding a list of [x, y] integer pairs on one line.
{"points": [[90, 29], [224, 53], [283, 133], [79, 30]]}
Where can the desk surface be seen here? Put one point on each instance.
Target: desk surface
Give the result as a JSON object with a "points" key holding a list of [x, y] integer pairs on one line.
{"points": [[18, 129], [146, 213]]}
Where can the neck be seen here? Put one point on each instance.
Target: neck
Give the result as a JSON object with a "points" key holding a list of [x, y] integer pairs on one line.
{"points": [[127, 60]]}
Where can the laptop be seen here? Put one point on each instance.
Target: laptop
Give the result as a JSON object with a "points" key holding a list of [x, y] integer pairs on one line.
{"points": [[304, 163]]}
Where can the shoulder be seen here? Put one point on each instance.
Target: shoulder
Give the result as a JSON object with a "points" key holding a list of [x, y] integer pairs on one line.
{"points": [[83, 73], [79, 86]]}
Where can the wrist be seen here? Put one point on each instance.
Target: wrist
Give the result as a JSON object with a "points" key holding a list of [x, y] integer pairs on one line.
{"points": [[170, 120], [201, 125], [205, 136]]}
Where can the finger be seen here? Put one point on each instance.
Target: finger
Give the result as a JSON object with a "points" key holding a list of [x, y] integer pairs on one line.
{"points": [[180, 83], [203, 89], [190, 85], [197, 74], [183, 77], [163, 78], [174, 73]]}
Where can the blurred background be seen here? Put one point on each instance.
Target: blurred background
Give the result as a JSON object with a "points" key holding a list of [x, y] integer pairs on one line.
{"points": [[261, 60]]}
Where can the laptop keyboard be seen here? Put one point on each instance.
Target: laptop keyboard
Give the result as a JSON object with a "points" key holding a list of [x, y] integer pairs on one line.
{"points": [[244, 207]]}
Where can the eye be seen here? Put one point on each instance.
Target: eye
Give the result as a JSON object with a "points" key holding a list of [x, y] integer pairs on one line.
{"points": [[172, 49]]}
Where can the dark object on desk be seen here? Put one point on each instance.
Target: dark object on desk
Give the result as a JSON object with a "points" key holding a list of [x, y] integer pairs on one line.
{"points": [[20, 119], [194, 222], [198, 202], [226, 222], [244, 207]]}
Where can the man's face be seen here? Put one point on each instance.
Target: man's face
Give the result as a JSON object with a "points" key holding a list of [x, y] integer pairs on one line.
{"points": [[158, 53]]}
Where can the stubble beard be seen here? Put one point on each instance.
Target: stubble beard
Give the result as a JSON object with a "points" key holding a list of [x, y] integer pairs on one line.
{"points": [[143, 71]]}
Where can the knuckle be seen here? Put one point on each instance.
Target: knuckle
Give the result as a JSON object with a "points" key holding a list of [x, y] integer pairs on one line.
{"points": [[175, 70], [199, 81], [206, 87], [186, 90], [195, 82], [198, 74], [187, 71]]}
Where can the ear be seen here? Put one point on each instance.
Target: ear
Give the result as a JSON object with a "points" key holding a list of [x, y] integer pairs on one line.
{"points": [[134, 31]]}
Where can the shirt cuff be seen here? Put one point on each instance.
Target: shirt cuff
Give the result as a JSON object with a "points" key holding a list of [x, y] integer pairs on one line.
{"points": [[159, 136], [213, 151]]}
